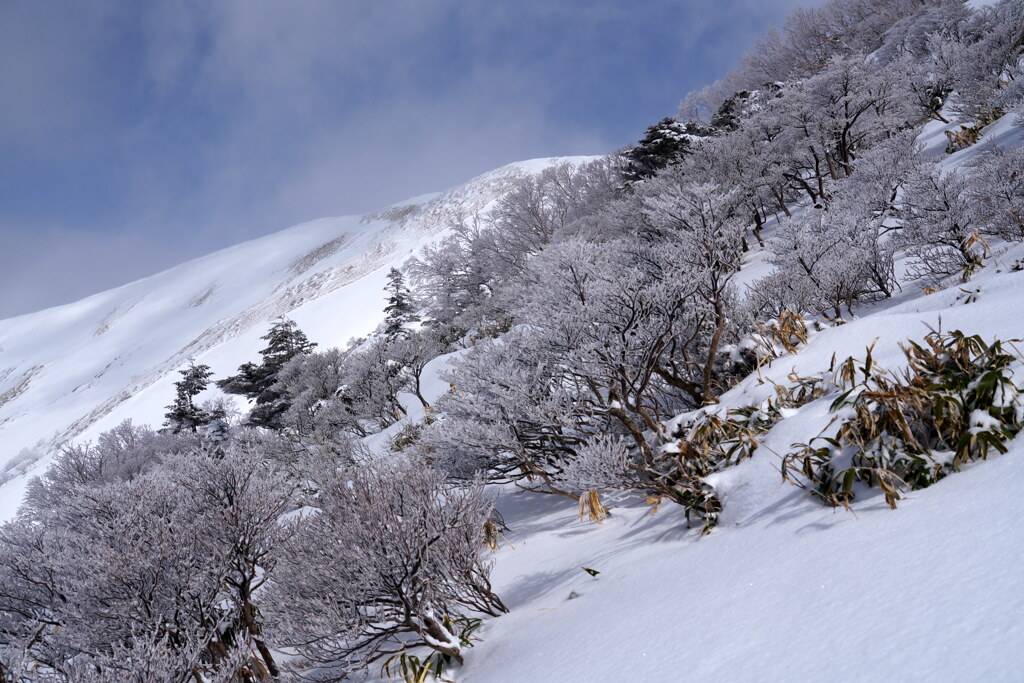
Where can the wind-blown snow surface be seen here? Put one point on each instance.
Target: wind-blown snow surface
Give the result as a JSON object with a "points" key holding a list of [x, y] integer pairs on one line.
{"points": [[76, 370]]}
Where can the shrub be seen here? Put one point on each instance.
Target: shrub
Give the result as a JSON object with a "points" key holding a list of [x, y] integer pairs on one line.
{"points": [[955, 402], [392, 561]]}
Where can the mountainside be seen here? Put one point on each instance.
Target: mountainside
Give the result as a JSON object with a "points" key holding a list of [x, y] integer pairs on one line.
{"points": [[74, 371], [784, 588], [741, 402]]}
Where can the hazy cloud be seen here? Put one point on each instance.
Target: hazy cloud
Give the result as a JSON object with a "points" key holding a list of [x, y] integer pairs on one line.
{"points": [[135, 135]]}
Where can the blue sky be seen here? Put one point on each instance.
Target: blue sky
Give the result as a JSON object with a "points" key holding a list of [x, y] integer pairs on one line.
{"points": [[136, 135]]}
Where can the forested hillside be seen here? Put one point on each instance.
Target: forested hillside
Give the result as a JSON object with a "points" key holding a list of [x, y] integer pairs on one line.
{"points": [[715, 405]]}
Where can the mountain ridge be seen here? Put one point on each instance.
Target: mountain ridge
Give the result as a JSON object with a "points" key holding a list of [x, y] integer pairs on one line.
{"points": [[74, 370]]}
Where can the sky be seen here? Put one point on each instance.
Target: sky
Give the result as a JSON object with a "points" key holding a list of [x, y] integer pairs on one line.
{"points": [[137, 135]]}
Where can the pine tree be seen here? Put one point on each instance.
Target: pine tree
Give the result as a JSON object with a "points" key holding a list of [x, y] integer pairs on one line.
{"points": [[284, 341], [400, 310], [184, 414], [665, 143]]}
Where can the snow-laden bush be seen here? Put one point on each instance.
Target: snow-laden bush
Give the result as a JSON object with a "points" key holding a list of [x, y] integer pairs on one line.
{"points": [[393, 560], [604, 462], [956, 402], [711, 439], [997, 188], [941, 230], [121, 454], [166, 564]]}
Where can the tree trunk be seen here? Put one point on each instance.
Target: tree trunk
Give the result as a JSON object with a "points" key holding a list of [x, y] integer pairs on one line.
{"points": [[777, 193], [248, 613], [716, 339], [758, 224], [634, 431], [416, 392]]}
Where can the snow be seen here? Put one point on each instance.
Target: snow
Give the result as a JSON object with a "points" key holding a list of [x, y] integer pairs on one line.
{"points": [[982, 421], [785, 590]]}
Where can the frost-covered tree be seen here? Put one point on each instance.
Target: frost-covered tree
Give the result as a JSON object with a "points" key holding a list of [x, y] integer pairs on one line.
{"points": [[256, 382], [319, 417], [413, 353], [738, 107], [909, 37], [663, 144], [508, 414], [453, 279], [834, 116], [748, 161], [615, 337], [811, 37], [940, 227], [167, 562], [469, 280], [823, 260], [373, 378], [336, 395], [703, 226], [393, 560], [184, 414], [121, 454], [129, 568], [238, 499], [829, 260], [996, 185], [983, 60], [400, 311]]}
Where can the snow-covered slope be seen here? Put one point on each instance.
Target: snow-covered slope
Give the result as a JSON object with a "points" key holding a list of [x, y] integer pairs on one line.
{"points": [[76, 370], [784, 588]]}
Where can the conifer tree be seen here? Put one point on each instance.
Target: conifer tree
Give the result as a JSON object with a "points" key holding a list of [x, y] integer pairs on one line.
{"points": [[184, 414], [400, 309], [284, 341], [665, 143]]}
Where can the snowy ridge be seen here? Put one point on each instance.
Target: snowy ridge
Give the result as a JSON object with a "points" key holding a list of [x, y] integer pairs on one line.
{"points": [[76, 370]]}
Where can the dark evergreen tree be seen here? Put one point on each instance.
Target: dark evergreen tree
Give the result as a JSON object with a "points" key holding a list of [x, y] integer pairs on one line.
{"points": [[184, 414], [284, 341], [732, 111], [665, 143], [400, 309], [740, 106]]}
